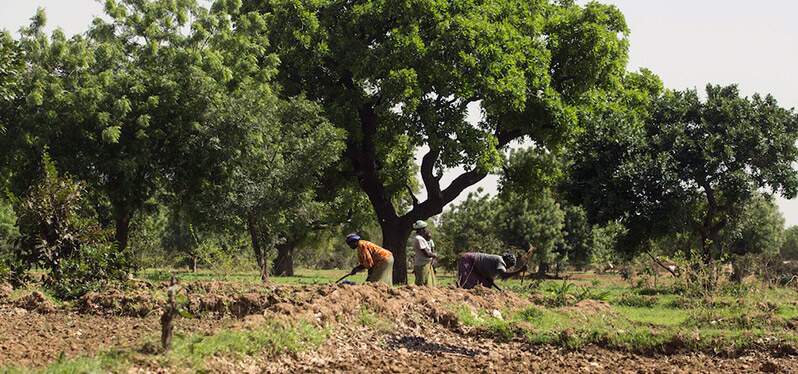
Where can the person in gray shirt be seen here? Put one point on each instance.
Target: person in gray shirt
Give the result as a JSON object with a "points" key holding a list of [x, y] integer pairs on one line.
{"points": [[481, 268]]}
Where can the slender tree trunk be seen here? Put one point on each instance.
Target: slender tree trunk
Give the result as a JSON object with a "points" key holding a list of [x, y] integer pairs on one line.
{"points": [[394, 239], [284, 263], [257, 247], [543, 268], [738, 271], [122, 222]]}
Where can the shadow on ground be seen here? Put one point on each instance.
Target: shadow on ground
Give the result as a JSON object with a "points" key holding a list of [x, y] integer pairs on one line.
{"points": [[420, 344]]}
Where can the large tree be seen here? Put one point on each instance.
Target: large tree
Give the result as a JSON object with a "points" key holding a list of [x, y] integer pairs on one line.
{"points": [[125, 107], [11, 67], [686, 165], [401, 75], [283, 149]]}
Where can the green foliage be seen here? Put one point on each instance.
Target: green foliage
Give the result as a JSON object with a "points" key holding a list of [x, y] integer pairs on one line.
{"points": [[8, 235], [90, 269], [605, 240], [399, 75], [59, 233], [469, 226], [284, 148], [532, 223], [11, 66], [578, 241], [760, 228], [789, 249], [686, 165], [135, 95]]}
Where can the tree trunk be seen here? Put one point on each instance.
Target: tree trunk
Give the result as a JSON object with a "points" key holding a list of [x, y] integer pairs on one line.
{"points": [[362, 152], [284, 263], [394, 239], [739, 270], [257, 247], [543, 268], [122, 222], [194, 264]]}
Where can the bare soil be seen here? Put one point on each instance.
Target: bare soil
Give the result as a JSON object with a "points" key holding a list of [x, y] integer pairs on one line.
{"points": [[423, 334]]}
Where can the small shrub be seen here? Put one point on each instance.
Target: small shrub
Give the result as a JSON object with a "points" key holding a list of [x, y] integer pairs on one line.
{"points": [[59, 233], [681, 302], [637, 301], [531, 314], [89, 270], [567, 293], [562, 295], [654, 291]]}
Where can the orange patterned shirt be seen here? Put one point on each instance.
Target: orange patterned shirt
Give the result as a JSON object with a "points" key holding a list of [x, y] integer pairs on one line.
{"points": [[371, 254]]}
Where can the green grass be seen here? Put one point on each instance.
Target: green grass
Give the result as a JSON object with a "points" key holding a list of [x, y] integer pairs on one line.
{"points": [[659, 320], [368, 318], [657, 316], [271, 338], [639, 329]]}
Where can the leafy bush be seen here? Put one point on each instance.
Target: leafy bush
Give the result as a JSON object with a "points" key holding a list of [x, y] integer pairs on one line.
{"points": [[89, 269], [637, 301], [8, 234], [60, 234]]}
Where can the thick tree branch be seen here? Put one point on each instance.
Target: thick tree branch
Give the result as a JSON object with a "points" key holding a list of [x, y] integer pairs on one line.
{"points": [[437, 198], [658, 262], [322, 225], [412, 195], [431, 182]]}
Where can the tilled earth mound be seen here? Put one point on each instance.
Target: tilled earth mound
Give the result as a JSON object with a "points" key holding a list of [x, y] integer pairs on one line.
{"points": [[423, 332]]}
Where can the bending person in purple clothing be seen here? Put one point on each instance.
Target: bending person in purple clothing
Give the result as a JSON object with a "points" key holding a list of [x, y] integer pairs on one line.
{"points": [[481, 268]]}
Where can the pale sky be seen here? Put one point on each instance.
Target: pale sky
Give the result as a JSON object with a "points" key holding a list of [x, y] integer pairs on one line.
{"points": [[688, 43]]}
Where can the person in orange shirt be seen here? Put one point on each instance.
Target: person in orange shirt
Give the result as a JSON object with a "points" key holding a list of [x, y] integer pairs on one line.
{"points": [[378, 260]]}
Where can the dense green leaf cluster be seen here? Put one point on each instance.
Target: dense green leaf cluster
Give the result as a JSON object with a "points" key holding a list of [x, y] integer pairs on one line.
{"points": [[689, 165], [59, 233]]}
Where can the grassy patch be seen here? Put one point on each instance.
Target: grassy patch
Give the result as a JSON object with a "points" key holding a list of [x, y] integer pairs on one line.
{"points": [[635, 300], [492, 321], [646, 327], [367, 318], [271, 338]]}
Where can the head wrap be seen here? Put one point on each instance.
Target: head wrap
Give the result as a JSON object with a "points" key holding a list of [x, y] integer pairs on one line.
{"points": [[352, 238]]}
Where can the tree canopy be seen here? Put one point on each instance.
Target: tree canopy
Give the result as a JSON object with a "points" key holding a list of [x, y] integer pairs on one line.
{"points": [[686, 164], [399, 75]]}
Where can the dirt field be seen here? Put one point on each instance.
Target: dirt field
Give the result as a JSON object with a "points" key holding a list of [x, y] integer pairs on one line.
{"points": [[370, 329]]}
